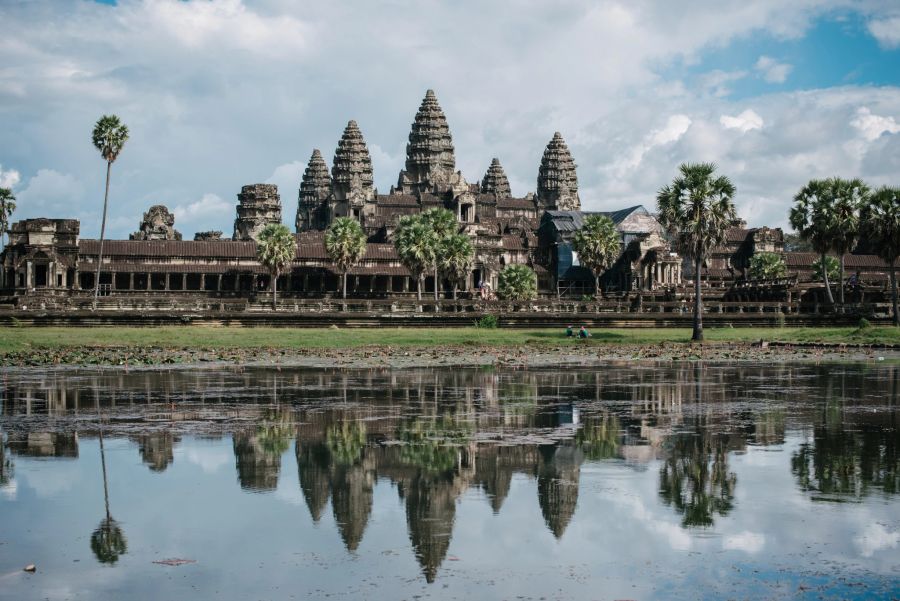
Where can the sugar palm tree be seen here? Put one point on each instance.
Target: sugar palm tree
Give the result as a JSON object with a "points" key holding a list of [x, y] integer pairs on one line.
{"points": [[109, 137], [812, 218], [517, 282], [443, 223], [697, 208], [848, 198], [767, 266], [275, 249], [881, 224], [456, 258], [108, 541], [598, 245], [7, 206], [345, 243], [416, 245]]}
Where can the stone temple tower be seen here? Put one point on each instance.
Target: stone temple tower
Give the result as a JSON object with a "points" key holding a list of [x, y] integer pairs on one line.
{"points": [[430, 160], [351, 172], [314, 190], [258, 206], [495, 181], [557, 183]]}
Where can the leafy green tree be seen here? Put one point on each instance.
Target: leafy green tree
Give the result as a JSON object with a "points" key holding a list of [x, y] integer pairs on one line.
{"points": [[7, 206], [826, 214], [598, 245], [275, 249], [881, 224], [832, 269], [767, 266], [456, 257], [109, 137], [416, 245], [345, 243], [517, 282], [444, 225], [697, 208]]}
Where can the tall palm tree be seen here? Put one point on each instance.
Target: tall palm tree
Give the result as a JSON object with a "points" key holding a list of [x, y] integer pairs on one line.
{"points": [[109, 137], [7, 206], [598, 245], [697, 208], [443, 223], [848, 198], [416, 245], [812, 218], [275, 249], [345, 243], [881, 224], [456, 258]]}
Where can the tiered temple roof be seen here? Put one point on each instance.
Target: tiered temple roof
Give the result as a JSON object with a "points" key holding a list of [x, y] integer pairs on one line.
{"points": [[259, 205], [495, 181], [557, 183], [352, 166], [314, 190], [429, 153]]}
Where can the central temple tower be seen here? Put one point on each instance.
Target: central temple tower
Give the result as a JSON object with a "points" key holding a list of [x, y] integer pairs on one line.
{"points": [[430, 161]]}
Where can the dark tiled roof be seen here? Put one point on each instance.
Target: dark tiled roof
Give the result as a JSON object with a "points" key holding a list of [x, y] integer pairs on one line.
{"points": [[736, 234], [516, 203], [805, 260], [137, 267], [512, 242], [169, 248]]}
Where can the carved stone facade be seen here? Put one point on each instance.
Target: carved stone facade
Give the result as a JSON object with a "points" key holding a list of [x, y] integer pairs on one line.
{"points": [[208, 235], [158, 224], [259, 205], [314, 190], [429, 154], [495, 181], [351, 172]]}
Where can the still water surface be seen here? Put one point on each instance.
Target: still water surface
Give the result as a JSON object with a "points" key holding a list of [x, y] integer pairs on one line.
{"points": [[628, 482]]}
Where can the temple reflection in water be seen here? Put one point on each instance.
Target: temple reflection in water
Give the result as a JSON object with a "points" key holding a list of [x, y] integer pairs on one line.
{"points": [[435, 434]]}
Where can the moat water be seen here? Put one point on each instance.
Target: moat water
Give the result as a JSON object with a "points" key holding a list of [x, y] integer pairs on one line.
{"points": [[682, 481]]}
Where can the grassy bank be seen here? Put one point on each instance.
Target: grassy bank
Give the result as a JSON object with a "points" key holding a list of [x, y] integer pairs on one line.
{"points": [[13, 339]]}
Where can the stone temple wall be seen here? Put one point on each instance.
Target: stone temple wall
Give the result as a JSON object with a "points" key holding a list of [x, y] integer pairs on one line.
{"points": [[258, 206]]}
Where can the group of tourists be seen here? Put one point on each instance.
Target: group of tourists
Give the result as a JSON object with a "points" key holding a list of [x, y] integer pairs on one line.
{"points": [[582, 333]]}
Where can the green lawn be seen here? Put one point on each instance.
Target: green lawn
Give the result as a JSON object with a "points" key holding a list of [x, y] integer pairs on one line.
{"points": [[22, 338]]}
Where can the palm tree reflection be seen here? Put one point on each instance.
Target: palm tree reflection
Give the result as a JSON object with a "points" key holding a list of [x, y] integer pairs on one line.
{"points": [[108, 541]]}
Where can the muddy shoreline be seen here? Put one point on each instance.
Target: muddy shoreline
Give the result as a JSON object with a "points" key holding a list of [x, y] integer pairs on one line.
{"points": [[368, 357]]}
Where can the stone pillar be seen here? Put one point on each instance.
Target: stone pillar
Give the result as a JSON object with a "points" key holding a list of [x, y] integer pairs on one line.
{"points": [[406, 284], [167, 282], [390, 284], [131, 281], [305, 282], [202, 282]]}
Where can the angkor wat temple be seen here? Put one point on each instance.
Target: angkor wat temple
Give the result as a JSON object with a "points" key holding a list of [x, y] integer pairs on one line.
{"points": [[46, 257]]}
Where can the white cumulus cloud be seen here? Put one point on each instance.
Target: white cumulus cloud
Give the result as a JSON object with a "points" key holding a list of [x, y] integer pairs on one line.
{"points": [[872, 126], [9, 178], [746, 541], [196, 213], [744, 122], [886, 31], [876, 538], [771, 70]]}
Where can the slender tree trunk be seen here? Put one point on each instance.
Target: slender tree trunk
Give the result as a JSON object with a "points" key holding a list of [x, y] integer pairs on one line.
{"points": [[455, 286], [596, 285], [344, 283], [894, 292], [275, 291], [827, 283], [698, 302], [102, 236], [435, 281], [841, 287]]}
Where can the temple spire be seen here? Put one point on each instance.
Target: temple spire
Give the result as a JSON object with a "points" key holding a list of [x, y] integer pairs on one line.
{"points": [[314, 190], [429, 153], [557, 183], [351, 169], [495, 181]]}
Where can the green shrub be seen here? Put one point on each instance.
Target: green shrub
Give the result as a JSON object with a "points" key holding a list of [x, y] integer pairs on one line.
{"points": [[863, 324], [487, 322], [517, 282], [767, 266]]}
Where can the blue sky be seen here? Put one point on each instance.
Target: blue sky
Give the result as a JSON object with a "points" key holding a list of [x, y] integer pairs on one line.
{"points": [[223, 93]]}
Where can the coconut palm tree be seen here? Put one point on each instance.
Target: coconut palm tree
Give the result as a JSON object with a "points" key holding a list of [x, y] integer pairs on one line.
{"points": [[345, 243], [7, 206], [517, 282], [109, 137], [443, 223], [456, 256], [416, 245], [275, 249], [697, 208], [881, 224], [848, 198], [598, 245]]}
